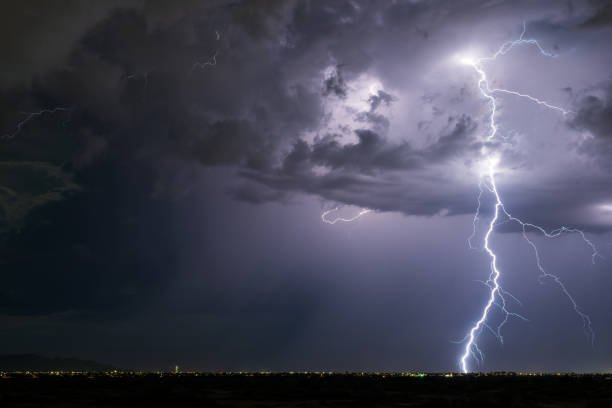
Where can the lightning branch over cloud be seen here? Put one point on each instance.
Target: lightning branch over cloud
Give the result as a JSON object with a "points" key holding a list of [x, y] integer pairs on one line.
{"points": [[497, 297], [328, 220], [209, 63], [212, 61], [29, 117]]}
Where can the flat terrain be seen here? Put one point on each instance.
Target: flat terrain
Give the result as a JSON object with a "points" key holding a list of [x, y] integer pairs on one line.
{"points": [[302, 390]]}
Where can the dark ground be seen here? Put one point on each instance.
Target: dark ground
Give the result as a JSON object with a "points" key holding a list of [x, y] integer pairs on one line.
{"points": [[303, 390]]}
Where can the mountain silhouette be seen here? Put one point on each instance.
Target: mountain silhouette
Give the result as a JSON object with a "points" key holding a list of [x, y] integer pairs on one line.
{"points": [[35, 362]]}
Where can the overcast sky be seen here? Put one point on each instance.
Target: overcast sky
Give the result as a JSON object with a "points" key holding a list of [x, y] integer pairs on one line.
{"points": [[164, 167]]}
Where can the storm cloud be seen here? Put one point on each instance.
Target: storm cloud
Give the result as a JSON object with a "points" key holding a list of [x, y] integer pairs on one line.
{"points": [[283, 99]]}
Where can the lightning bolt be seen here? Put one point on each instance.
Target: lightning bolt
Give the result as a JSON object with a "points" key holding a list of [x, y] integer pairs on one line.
{"points": [[29, 117], [333, 221], [212, 61], [497, 295]]}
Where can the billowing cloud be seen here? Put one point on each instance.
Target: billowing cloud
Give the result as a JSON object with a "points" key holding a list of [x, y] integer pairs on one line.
{"points": [[356, 95]]}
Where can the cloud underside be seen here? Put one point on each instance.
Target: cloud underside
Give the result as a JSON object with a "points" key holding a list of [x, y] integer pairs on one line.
{"points": [[140, 98]]}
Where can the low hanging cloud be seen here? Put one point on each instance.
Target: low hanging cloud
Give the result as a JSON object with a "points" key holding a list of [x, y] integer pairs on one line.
{"points": [[353, 102]]}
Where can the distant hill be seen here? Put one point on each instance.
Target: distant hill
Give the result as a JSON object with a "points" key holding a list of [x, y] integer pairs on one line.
{"points": [[35, 362]]}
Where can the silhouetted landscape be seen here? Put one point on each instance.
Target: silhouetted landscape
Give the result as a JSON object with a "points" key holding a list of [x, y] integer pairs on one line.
{"points": [[35, 362], [116, 389]]}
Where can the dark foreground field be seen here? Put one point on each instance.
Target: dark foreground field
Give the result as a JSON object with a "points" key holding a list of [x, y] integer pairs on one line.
{"points": [[303, 390]]}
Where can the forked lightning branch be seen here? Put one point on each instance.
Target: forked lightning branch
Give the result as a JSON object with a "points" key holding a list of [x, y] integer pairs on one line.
{"points": [[497, 297]]}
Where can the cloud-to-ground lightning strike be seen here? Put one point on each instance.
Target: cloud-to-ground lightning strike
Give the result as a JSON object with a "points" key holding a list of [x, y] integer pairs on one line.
{"points": [[29, 117], [497, 296], [212, 61], [332, 221]]}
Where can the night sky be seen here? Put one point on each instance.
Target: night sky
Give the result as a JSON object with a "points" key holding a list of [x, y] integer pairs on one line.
{"points": [[164, 167]]}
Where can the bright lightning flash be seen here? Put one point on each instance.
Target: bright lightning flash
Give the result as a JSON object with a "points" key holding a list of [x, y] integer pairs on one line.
{"points": [[467, 60], [497, 296], [326, 219]]}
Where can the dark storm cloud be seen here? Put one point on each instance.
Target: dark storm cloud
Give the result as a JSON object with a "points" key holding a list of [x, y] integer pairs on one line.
{"points": [[37, 36], [377, 120], [602, 15], [595, 114], [141, 112], [335, 84], [131, 77], [371, 153], [231, 142], [28, 185], [374, 153], [380, 98], [594, 117], [362, 172], [144, 112]]}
